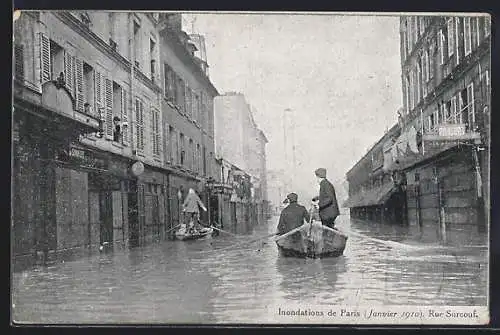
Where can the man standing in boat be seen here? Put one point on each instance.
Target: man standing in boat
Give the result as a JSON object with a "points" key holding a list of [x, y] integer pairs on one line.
{"points": [[292, 216], [328, 206], [190, 206]]}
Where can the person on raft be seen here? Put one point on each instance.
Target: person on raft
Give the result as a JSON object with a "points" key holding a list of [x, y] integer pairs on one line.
{"points": [[292, 216], [191, 207]]}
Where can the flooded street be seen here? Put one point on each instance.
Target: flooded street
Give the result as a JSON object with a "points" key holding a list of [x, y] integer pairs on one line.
{"points": [[224, 280]]}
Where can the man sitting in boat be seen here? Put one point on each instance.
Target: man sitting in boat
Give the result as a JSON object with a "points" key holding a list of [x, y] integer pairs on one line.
{"points": [[292, 216], [190, 207]]}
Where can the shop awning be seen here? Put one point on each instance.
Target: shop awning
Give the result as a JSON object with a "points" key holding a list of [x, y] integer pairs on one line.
{"points": [[373, 197]]}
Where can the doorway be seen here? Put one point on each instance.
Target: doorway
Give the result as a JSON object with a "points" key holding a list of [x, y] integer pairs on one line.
{"points": [[106, 217]]}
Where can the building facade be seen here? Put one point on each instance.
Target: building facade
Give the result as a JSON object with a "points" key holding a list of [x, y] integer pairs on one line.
{"points": [[440, 153], [97, 96], [374, 192], [240, 142], [446, 94]]}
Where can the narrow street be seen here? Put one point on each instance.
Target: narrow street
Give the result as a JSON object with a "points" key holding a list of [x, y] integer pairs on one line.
{"points": [[224, 280]]}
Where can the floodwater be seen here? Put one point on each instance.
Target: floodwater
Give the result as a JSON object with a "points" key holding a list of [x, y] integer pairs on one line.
{"points": [[224, 280]]}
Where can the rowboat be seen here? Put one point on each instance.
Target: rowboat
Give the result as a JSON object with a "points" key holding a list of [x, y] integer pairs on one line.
{"points": [[185, 235], [312, 240]]}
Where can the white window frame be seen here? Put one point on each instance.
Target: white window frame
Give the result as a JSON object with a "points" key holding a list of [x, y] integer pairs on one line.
{"points": [[450, 23], [467, 36], [441, 44]]}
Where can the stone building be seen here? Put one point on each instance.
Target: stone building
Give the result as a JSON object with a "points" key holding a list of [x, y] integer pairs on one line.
{"points": [[446, 125], [93, 164], [240, 142], [440, 152]]}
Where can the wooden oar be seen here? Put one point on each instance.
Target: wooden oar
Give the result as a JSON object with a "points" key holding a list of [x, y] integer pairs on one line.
{"points": [[168, 231], [289, 233], [223, 231]]}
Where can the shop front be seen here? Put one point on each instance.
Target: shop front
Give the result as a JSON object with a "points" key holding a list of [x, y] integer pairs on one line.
{"points": [[45, 127]]}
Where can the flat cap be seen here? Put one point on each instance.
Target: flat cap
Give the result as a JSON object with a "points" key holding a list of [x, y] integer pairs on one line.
{"points": [[292, 197], [321, 172]]}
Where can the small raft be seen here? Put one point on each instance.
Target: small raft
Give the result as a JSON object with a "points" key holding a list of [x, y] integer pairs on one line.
{"points": [[184, 235], [312, 240]]}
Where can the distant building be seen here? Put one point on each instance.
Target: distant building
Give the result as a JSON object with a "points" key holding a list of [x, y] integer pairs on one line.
{"points": [[238, 140]]}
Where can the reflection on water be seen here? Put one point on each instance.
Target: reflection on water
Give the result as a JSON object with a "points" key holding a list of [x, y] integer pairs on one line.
{"points": [[226, 280]]}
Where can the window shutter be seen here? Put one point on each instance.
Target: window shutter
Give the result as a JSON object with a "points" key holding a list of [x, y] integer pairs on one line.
{"points": [[153, 134], [471, 103], [19, 61], [139, 122], [98, 94], [109, 108], [124, 117], [454, 109], [45, 65], [69, 72], [158, 132], [79, 84]]}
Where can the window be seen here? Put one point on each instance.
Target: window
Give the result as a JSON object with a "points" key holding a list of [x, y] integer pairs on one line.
{"points": [[421, 25], [191, 155], [426, 65], [466, 102], [441, 45], [414, 30], [196, 107], [115, 125], [174, 143], [454, 113], [88, 88], [408, 93], [181, 94], [124, 117], [467, 36], [188, 103], [155, 131], [139, 125], [152, 57], [169, 89], [137, 44], [419, 82], [183, 149], [450, 27], [57, 61], [457, 36], [112, 27], [198, 158], [19, 61], [108, 121], [436, 116], [487, 26]]}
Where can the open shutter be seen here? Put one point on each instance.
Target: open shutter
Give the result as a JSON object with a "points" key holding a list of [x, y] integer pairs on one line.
{"points": [[109, 108], [98, 94], [153, 134], [158, 132], [19, 61], [124, 117], [471, 103], [45, 65], [79, 84], [69, 72]]}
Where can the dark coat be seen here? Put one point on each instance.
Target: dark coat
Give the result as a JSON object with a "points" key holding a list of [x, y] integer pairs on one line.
{"points": [[328, 206], [291, 217]]}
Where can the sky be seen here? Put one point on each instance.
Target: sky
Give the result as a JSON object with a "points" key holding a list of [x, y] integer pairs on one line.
{"points": [[339, 74]]}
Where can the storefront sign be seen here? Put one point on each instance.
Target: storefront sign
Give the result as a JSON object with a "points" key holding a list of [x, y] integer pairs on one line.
{"points": [[84, 158], [451, 130], [137, 168]]}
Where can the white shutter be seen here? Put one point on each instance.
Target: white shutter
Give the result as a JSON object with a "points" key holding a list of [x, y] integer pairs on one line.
{"points": [[454, 109], [124, 117], [69, 71], [45, 65], [98, 94], [109, 108], [153, 131], [470, 102], [139, 124], [79, 84]]}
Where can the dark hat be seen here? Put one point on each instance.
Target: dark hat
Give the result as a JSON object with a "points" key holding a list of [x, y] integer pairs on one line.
{"points": [[285, 201], [316, 198], [292, 197], [320, 173]]}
